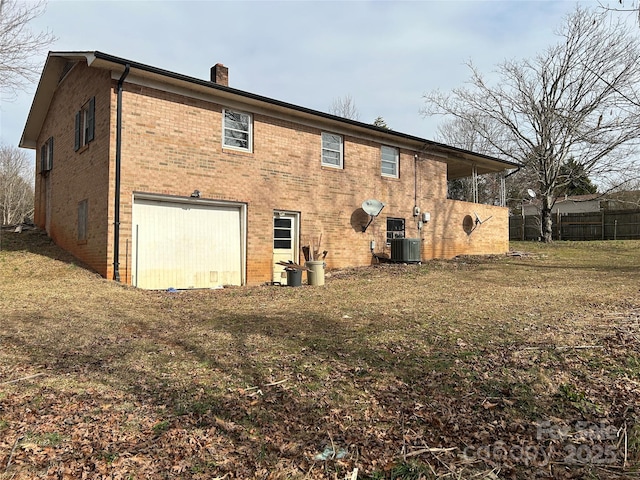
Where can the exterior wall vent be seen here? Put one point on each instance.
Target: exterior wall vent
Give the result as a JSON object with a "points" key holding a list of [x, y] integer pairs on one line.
{"points": [[405, 250]]}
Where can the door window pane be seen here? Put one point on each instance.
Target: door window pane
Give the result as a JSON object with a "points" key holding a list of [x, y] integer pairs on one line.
{"points": [[282, 229]]}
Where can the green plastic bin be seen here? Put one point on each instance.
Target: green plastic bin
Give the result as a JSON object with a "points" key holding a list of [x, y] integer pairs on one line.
{"points": [[294, 277]]}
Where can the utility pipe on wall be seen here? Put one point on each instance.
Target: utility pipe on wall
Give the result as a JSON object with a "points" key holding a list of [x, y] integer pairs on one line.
{"points": [[116, 213]]}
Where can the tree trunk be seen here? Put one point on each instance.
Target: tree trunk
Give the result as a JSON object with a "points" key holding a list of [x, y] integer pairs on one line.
{"points": [[546, 219]]}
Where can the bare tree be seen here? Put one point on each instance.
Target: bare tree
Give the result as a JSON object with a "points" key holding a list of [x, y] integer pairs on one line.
{"points": [[577, 99], [16, 192], [19, 45], [460, 133], [629, 7], [345, 107]]}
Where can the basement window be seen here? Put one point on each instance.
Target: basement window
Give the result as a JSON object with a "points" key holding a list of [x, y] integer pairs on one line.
{"points": [[237, 130], [395, 229], [85, 124]]}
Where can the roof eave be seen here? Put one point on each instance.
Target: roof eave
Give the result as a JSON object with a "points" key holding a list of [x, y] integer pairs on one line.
{"points": [[56, 61], [107, 61], [44, 93]]}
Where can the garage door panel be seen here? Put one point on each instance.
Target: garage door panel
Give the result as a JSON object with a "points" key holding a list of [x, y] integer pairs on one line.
{"points": [[186, 245]]}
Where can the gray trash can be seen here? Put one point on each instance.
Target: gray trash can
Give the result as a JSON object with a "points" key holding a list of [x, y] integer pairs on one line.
{"points": [[294, 277], [315, 274]]}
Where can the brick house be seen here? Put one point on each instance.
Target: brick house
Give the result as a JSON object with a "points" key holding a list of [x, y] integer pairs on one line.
{"points": [[160, 180]]}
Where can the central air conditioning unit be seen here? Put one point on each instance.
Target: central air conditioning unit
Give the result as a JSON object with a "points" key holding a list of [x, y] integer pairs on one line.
{"points": [[406, 250]]}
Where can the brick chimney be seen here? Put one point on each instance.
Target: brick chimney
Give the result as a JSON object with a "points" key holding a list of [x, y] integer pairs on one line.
{"points": [[220, 74]]}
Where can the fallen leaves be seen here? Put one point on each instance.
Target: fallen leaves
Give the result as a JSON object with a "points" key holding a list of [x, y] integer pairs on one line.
{"points": [[447, 369]]}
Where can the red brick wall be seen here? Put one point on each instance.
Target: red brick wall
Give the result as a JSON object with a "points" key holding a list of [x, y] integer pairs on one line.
{"points": [[172, 145], [76, 176]]}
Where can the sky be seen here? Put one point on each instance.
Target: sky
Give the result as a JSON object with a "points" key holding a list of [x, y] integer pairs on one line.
{"points": [[385, 55]]}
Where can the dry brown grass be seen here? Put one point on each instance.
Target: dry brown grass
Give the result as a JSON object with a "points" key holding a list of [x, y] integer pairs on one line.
{"points": [[379, 365]]}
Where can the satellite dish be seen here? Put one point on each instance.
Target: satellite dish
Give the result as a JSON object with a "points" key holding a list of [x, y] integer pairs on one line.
{"points": [[372, 207], [531, 193]]}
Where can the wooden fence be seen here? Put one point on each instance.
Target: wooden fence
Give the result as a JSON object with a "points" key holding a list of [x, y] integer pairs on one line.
{"points": [[603, 225]]}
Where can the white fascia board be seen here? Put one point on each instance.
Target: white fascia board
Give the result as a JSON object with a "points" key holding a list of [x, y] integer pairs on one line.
{"points": [[47, 85]]}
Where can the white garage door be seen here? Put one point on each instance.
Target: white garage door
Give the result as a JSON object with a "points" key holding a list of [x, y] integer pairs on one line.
{"points": [[186, 245]]}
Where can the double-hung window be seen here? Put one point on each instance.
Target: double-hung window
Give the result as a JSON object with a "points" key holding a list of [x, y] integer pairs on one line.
{"points": [[46, 156], [332, 150], [237, 130], [390, 159], [85, 124]]}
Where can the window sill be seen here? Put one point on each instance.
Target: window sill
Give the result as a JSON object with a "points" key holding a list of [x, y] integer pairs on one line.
{"points": [[237, 151], [390, 177], [83, 148], [331, 167], [82, 242]]}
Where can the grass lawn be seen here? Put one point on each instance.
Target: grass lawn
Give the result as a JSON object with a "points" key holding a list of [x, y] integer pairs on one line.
{"points": [[494, 367]]}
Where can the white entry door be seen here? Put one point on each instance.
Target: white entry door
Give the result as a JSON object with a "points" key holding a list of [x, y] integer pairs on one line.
{"points": [[285, 243], [186, 245]]}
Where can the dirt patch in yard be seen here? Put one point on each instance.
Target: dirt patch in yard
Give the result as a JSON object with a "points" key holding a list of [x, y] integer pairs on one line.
{"points": [[480, 367]]}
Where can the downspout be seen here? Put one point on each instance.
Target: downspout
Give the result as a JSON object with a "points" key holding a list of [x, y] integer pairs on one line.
{"points": [[415, 195], [116, 213], [415, 180]]}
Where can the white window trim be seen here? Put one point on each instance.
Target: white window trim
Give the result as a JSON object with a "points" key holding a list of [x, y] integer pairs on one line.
{"points": [[341, 151], [46, 156], [85, 125], [250, 131], [397, 161]]}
